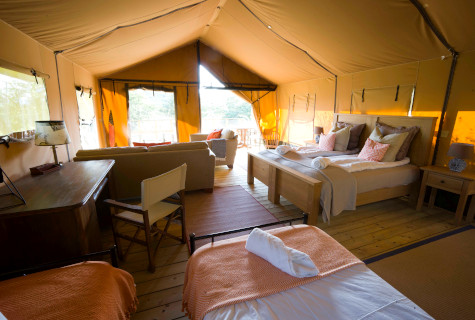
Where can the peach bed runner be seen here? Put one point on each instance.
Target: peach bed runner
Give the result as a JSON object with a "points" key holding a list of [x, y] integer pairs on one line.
{"points": [[88, 290], [225, 273]]}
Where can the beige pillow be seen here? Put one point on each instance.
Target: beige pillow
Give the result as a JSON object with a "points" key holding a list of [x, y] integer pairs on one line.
{"points": [[387, 129], [227, 134], [342, 138], [395, 140], [107, 151], [180, 146]]}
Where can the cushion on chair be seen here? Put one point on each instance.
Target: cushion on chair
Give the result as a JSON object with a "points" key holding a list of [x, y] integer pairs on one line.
{"points": [[216, 134], [227, 134], [156, 212]]}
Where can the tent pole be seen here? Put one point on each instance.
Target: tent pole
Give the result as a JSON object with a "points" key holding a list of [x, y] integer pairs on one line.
{"points": [[444, 107], [455, 55], [336, 88], [60, 96], [198, 61]]}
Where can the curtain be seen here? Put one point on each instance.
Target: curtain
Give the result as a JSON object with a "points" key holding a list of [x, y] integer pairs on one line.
{"points": [[227, 71], [114, 113]]}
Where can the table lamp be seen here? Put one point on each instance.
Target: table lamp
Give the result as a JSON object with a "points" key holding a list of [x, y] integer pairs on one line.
{"points": [[317, 131], [51, 133], [459, 151]]}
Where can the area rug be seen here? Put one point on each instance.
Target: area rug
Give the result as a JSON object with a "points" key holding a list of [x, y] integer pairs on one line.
{"points": [[438, 274], [227, 208]]}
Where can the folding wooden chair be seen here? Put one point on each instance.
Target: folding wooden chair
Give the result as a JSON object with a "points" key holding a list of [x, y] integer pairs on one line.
{"points": [[157, 203]]}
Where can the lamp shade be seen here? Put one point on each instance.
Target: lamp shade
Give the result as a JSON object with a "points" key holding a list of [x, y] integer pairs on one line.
{"points": [[318, 130], [51, 133], [461, 151]]}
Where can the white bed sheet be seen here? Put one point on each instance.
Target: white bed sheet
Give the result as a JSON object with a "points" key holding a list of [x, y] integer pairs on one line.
{"points": [[353, 293]]}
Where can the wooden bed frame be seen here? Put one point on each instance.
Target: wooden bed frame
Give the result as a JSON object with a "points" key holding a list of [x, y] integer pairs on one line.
{"points": [[304, 191]]}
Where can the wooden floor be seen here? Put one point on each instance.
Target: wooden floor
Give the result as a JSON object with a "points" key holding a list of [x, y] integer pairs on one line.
{"points": [[370, 230]]}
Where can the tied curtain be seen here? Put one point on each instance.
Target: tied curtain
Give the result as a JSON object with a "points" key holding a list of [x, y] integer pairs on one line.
{"points": [[115, 110], [263, 102]]}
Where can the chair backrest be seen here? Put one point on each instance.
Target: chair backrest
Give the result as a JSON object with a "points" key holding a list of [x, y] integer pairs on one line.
{"points": [[158, 188]]}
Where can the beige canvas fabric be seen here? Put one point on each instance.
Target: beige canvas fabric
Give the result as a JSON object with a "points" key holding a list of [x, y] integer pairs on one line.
{"points": [[344, 36]]}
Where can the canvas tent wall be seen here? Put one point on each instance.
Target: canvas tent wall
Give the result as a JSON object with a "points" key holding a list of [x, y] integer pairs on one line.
{"points": [[295, 44], [19, 49]]}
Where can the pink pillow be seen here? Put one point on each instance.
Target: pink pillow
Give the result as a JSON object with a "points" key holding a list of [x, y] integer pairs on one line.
{"points": [[373, 150], [327, 142]]}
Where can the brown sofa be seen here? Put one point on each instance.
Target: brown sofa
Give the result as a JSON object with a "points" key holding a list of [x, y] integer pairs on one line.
{"points": [[134, 164]]}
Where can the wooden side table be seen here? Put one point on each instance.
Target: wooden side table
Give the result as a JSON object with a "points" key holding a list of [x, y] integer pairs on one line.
{"points": [[462, 183]]}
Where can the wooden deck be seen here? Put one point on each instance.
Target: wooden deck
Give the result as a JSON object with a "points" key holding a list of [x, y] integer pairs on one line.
{"points": [[368, 231]]}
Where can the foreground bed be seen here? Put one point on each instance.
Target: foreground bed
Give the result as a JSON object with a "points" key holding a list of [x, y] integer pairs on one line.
{"points": [[86, 290], [304, 191], [344, 289]]}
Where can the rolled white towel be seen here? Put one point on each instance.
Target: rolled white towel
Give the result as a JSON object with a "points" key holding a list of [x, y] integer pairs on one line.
{"points": [[272, 249], [321, 162], [283, 149]]}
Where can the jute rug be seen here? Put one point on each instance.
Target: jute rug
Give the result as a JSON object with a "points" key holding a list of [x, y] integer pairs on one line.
{"points": [[438, 274], [227, 208]]}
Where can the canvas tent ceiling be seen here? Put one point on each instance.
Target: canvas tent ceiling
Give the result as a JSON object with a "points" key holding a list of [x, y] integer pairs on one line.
{"points": [[344, 36]]}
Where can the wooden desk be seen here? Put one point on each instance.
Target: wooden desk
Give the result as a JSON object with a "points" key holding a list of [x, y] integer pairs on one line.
{"points": [[59, 219], [462, 183]]}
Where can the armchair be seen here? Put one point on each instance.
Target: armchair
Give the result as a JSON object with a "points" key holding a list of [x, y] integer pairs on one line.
{"points": [[231, 147]]}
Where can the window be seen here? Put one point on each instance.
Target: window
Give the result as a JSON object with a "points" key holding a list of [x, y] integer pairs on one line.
{"points": [[22, 102], [152, 116], [87, 120], [221, 108]]}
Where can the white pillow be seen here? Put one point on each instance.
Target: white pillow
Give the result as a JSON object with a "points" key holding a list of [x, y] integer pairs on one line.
{"points": [[342, 138], [227, 134], [395, 141]]}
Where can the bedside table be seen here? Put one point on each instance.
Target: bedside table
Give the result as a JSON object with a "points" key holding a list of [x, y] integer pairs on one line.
{"points": [[462, 183]]}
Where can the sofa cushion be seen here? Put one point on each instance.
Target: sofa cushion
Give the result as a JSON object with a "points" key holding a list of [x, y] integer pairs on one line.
{"points": [[227, 134], [216, 134], [106, 151], [180, 146], [150, 144]]}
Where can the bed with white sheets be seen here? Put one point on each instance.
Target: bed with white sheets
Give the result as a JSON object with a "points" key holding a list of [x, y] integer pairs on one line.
{"points": [[351, 292], [343, 186]]}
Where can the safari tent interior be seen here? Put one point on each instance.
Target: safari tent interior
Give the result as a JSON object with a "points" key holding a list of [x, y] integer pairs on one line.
{"points": [[301, 65]]}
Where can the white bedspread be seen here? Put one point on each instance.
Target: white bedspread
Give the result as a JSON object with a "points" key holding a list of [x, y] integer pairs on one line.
{"points": [[353, 293], [352, 163]]}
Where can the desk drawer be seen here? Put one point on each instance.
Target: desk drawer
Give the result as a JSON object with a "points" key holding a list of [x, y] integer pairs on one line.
{"points": [[444, 182]]}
